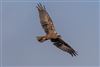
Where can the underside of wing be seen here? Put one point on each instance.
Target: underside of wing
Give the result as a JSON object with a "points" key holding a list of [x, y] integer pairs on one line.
{"points": [[45, 19], [64, 46]]}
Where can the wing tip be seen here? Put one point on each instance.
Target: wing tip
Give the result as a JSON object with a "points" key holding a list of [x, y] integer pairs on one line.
{"points": [[73, 53], [40, 6]]}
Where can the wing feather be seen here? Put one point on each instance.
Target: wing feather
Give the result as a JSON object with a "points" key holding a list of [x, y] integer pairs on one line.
{"points": [[45, 19], [64, 46]]}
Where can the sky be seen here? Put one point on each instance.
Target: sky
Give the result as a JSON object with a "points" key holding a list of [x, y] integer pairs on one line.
{"points": [[76, 21]]}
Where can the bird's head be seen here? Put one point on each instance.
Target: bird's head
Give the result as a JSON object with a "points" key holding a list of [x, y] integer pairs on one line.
{"points": [[41, 38]]}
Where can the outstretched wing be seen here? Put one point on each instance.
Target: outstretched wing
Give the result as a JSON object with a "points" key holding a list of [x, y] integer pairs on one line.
{"points": [[48, 27], [64, 46], [45, 19]]}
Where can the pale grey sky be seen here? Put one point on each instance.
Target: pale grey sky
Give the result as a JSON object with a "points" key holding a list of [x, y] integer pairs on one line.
{"points": [[0, 23], [77, 22]]}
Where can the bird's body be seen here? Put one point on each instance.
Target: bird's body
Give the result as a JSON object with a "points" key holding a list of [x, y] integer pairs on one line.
{"points": [[51, 34]]}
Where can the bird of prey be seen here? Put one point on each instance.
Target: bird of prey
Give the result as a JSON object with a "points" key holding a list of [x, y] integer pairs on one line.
{"points": [[51, 34]]}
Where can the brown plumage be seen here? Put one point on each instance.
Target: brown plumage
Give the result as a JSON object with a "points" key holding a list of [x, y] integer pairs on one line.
{"points": [[51, 34]]}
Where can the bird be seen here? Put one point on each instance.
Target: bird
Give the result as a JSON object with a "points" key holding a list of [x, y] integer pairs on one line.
{"points": [[51, 33]]}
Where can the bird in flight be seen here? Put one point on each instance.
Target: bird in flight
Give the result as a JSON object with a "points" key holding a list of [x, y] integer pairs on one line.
{"points": [[51, 34]]}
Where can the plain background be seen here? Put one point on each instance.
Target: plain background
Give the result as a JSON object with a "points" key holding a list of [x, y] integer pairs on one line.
{"points": [[77, 22], [0, 34], [49, 0]]}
